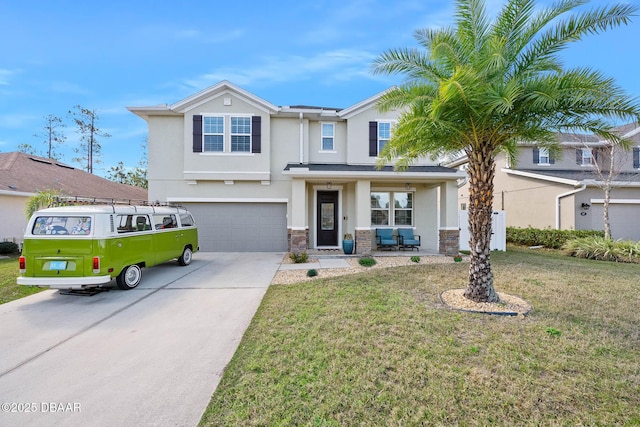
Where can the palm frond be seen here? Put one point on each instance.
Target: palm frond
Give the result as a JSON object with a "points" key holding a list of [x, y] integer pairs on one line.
{"points": [[472, 23], [557, 38]]}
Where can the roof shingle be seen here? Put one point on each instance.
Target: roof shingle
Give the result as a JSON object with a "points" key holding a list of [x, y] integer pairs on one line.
{"points": [[25, 173]]}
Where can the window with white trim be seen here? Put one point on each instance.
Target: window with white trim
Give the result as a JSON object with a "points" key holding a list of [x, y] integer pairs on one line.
{"points": [[328, 137], [398, 213], [543, 156], [241, 134], [587, 156], [213, 132], [384, 134]]}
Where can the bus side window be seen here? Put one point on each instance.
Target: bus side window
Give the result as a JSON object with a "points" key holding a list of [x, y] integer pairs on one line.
{"points": [[162, 221], [125, 224], [142, 223], [186, 220]]}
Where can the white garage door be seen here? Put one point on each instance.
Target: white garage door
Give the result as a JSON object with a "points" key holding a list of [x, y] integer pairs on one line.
{"points": [[241, 227]]}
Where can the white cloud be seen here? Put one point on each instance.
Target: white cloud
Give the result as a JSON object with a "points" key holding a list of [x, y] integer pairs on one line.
{"points": [[16, 120], [217, 35], [68, 88], [5, 76], [335, 65]]}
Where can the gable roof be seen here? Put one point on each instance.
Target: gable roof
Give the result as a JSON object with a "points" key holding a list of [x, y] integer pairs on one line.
{"points": [[226, 87], [575, 178], [362, 105], [191, 102], [23, 174]]}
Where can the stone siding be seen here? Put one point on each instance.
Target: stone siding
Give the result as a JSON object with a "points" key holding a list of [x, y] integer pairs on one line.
{"points": [[298, 240], [449, 242], [363, 242]]}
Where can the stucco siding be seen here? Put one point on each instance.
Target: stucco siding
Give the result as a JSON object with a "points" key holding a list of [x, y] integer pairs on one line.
{"points": [[13, 222], [199, 165]]}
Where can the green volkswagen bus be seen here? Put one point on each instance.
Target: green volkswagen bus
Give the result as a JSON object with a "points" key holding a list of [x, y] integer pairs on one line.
{"points": [[77, 247]]}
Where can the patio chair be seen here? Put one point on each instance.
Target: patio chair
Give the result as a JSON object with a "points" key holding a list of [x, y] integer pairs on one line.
{"points": [[408, 239], [385, 238]]}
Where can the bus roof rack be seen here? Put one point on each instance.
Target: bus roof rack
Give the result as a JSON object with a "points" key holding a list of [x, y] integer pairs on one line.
{"points": [[88, 200]]}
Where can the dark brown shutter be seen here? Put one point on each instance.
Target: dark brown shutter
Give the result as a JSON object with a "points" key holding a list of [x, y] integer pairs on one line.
{"points": [[551, 159], [256, 134], [636, 158], [373, 139], [536, 155], [197, 134], [578, 156]]}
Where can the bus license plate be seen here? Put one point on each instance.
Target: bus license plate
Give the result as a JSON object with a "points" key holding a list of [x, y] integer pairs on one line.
{"points": [[57, 265]]}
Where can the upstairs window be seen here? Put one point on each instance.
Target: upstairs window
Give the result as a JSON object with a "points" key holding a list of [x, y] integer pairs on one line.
{"points": [[544, 156], [213, 133], [379, 136], [584, 156], [328, 136], [384, 134], [227, 134], [541, 156], [241, 134]]}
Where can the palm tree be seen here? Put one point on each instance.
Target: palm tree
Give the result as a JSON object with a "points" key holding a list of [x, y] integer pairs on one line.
{"points": [[40, 200], [482, 86]]}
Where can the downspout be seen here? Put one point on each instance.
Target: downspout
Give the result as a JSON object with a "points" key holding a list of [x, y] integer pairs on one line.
{"points": [[301, 139], [583, 186]]}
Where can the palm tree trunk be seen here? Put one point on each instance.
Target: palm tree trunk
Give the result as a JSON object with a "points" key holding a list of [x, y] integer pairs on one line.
{"points": [[481, 172]]}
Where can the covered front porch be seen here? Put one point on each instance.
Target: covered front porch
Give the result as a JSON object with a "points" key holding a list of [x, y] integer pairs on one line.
{"points": [[330, 201]]}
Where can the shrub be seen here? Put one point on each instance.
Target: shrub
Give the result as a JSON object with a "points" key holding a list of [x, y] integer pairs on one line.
{"points": [[299, 257], [367, 261], [312, 273], [547, 237], [415, 258], [8, 248], [603, 249]]}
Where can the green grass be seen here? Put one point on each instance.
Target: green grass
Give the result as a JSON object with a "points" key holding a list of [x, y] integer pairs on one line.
{"points": [[377, 348], [9, 290]]}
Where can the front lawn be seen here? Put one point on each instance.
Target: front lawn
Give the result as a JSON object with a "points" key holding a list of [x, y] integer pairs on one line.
{"points": [[378, 348], [9, 290]]}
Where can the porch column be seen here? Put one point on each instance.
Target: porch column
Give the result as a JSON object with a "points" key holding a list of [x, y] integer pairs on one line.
{"points": [[363, 217], [298, 228], [449, 233]]}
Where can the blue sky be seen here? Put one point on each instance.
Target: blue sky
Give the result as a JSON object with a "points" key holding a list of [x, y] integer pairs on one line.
{"points": [[107, 55]]}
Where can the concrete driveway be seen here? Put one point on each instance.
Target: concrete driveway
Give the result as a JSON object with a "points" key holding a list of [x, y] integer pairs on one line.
{"points": [[149, 356]]}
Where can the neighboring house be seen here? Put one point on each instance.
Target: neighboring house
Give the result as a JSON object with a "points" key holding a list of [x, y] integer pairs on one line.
{"points": [[566, 193], [23, 175], [261, 177]]}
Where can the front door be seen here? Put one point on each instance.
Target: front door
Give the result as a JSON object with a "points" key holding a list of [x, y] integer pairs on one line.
{"points": [[327, 218]]}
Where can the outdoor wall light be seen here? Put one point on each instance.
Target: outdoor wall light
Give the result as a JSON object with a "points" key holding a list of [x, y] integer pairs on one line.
{"points": [[328, 186], [586, 206]]}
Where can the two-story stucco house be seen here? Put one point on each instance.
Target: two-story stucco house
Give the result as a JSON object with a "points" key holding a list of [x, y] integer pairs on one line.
{"points": [[262, 177], [566, 192]]}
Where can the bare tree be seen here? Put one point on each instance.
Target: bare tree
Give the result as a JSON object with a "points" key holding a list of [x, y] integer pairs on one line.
{"points": [[90, 149], [609, 162], [52, 134], [26, 149], [133, 176]]}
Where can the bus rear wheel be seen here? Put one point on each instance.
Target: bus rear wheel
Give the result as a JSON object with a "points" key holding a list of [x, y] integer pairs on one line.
{"points": [[129, 277], [185, 258]]}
